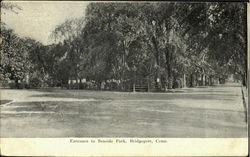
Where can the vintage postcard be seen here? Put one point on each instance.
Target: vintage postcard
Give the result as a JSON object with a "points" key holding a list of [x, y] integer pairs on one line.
{"points": [[85, 78]]}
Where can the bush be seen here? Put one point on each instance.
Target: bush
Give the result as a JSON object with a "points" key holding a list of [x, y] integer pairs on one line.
{"points": [[35, 83], [76, 86], [12, 85], [27, 86], [177, 84], [21, 85], [91, 85], [82, 85], [111, 86]]}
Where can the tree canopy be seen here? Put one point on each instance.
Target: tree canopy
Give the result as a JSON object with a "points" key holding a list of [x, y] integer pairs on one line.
{"points": [[171, 44]]}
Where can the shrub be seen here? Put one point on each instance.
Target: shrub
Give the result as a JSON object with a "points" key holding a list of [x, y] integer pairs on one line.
{"points": [[12, 85], [82, 85], [111, 86], [35, 83], [91, 85]]}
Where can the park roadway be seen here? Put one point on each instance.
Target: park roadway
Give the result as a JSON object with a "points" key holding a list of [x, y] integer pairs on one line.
{"points": [[216, 111]]}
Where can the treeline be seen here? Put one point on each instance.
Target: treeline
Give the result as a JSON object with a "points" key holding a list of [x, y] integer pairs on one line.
{"points": [[123, 45]]}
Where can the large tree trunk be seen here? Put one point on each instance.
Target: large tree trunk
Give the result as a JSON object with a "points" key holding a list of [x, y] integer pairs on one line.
{"points": [[157, 55], [16, 83], [206, 82], [184, 81], [191, 80], [196, 79], [244, 79], [170, 82], [202, 79], [148, 83], [99, 85], [170, 77], [123, 70], [169, 59], [134, 82], [210, 80]]}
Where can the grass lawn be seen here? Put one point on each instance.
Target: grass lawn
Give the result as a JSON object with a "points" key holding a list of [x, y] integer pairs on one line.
{"points": [[198, 112]]}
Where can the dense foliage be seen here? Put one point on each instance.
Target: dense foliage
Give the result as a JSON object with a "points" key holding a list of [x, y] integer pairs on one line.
{"points": [[161, 45]]}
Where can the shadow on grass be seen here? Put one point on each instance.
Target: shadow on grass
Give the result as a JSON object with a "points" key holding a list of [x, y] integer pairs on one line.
{"points": [[67, 95], [2, 102], [139, 96]]}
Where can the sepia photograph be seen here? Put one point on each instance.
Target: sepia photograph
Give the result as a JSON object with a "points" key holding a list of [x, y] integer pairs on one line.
{"points": [[124, 70]]}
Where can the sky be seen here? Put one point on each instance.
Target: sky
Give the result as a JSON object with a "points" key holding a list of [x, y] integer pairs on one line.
{"points": [[38, 19]]}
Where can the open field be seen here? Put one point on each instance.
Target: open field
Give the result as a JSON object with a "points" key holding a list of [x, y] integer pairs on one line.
{"points": [[195, 112]]}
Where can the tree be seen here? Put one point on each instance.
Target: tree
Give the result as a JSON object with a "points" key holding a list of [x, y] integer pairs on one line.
{"points": [[70, 45], [170, 42], [14, 56]]}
